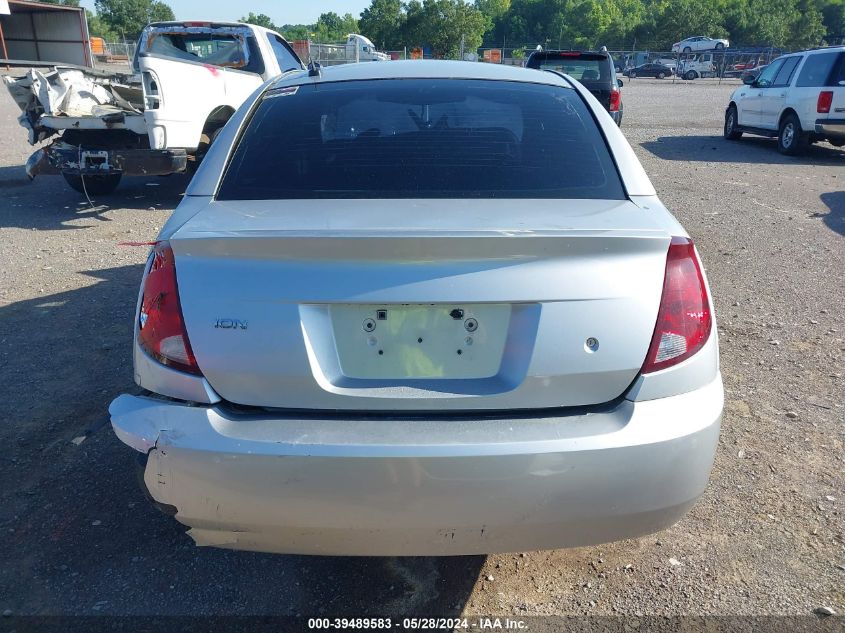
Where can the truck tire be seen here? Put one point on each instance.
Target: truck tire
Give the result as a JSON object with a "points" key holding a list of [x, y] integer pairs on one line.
{"points": [[792, 140], [206, 141], [94, 185], [731, 133], [690, 75]]}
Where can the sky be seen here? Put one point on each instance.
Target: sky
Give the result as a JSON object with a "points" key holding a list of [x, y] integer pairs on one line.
{"points": [[280, 11]]}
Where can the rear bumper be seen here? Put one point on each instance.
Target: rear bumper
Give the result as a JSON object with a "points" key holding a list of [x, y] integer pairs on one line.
{"points": [[831, 128], [61, 157], [358, 486]]}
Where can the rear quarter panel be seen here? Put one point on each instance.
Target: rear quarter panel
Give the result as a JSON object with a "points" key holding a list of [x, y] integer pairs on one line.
{"points": [[190, 92]]}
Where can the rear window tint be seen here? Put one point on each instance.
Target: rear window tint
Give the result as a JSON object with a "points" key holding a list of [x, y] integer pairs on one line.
{"points": [[584, 68], [838, 78], [816, 70], [421, 138]]}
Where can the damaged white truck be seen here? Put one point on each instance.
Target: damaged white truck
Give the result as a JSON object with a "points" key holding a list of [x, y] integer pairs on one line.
{"points": [[189, 78]]}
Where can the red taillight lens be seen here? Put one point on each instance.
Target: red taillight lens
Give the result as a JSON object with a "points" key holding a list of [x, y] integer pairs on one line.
{"points": [[824, 102], [684, 319], [161, 328], [615, 100]]}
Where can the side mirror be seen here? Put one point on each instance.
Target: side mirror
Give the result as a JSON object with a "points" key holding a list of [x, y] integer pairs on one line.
{"points": [[620, 82], [749, 80]]}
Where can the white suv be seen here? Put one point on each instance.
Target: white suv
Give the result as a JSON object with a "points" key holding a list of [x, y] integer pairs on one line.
{"points": [[798, 98]]}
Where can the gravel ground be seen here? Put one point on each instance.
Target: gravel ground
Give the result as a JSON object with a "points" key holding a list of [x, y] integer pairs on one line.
{"points": [[768, 537]]}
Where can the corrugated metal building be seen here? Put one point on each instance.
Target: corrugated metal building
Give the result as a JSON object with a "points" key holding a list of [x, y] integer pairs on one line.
{"points": [[35, 33]]}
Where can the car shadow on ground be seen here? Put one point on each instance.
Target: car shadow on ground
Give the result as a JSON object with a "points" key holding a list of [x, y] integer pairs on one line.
{"points": [[81, 538], [753, 150], [835, 218], [48, 203]]}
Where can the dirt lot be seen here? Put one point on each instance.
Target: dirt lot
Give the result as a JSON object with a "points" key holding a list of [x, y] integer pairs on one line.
{"points": [[767, 538]]}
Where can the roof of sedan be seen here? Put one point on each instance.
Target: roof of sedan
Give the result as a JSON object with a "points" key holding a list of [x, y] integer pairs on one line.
{"points": [[422, 69]]}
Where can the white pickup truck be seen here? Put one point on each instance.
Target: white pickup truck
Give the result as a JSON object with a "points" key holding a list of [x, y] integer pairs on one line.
{"points": [[190, 77]]}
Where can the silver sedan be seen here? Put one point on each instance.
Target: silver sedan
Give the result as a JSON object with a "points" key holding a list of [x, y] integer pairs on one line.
{"points": [[422, 308]]}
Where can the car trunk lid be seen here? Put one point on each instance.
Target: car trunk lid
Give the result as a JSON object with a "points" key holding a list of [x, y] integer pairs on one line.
{"points": [[401, 305]]}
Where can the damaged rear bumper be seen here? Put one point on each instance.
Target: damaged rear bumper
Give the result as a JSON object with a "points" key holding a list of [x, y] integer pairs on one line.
{"points": [[61, 157], [363, 486]]}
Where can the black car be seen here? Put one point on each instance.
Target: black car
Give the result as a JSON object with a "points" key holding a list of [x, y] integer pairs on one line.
{"points": [[595, 70], [660, 71]]}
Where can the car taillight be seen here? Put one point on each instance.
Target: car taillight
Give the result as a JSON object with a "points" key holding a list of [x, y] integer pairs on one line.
{"points": [[161, 328], [685, 317], [615, 100], [824, 102]]}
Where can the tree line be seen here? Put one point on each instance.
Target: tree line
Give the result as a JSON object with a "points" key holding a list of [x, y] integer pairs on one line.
{"points": [[657, 24], [445, 26]]}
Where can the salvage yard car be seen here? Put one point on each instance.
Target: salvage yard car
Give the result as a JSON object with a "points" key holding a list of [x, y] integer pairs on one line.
{"points": [[798, 98], [192, 76], [699, 43], [442, 313], [660, 71]]}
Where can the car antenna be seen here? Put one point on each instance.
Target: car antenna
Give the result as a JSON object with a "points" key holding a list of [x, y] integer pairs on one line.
{"points": [[315, 69]]}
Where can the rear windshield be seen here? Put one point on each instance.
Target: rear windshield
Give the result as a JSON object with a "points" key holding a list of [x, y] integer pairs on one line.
{"points": [[816, 70], [421, 138], [229, 47], [585, 68]]}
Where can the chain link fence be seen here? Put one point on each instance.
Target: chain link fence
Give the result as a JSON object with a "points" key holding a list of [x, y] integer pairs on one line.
{"points": [[721, 64], [113, 52], [717, 64]]}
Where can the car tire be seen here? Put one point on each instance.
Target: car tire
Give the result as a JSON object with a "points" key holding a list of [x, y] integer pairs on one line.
{"points": [[632, 75], [792, 140], [690, 75], [94, 185], [687, 49], [731, 119], [661, 75], [719, 46]]}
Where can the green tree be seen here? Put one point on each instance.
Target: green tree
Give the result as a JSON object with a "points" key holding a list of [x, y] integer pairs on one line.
{"points": [[833, 16], [331, 27], [383, 22], [259, 20], [127, 18], [415, 31], [160, 12], [296, 31], [98, 28], [451, 24]]}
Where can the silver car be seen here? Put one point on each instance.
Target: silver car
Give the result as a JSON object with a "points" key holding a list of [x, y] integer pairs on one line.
{"points": [[422, 308], [699, 43]]}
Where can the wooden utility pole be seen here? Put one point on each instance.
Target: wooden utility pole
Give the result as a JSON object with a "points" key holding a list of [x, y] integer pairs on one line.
{"points": [[3, 43]]}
